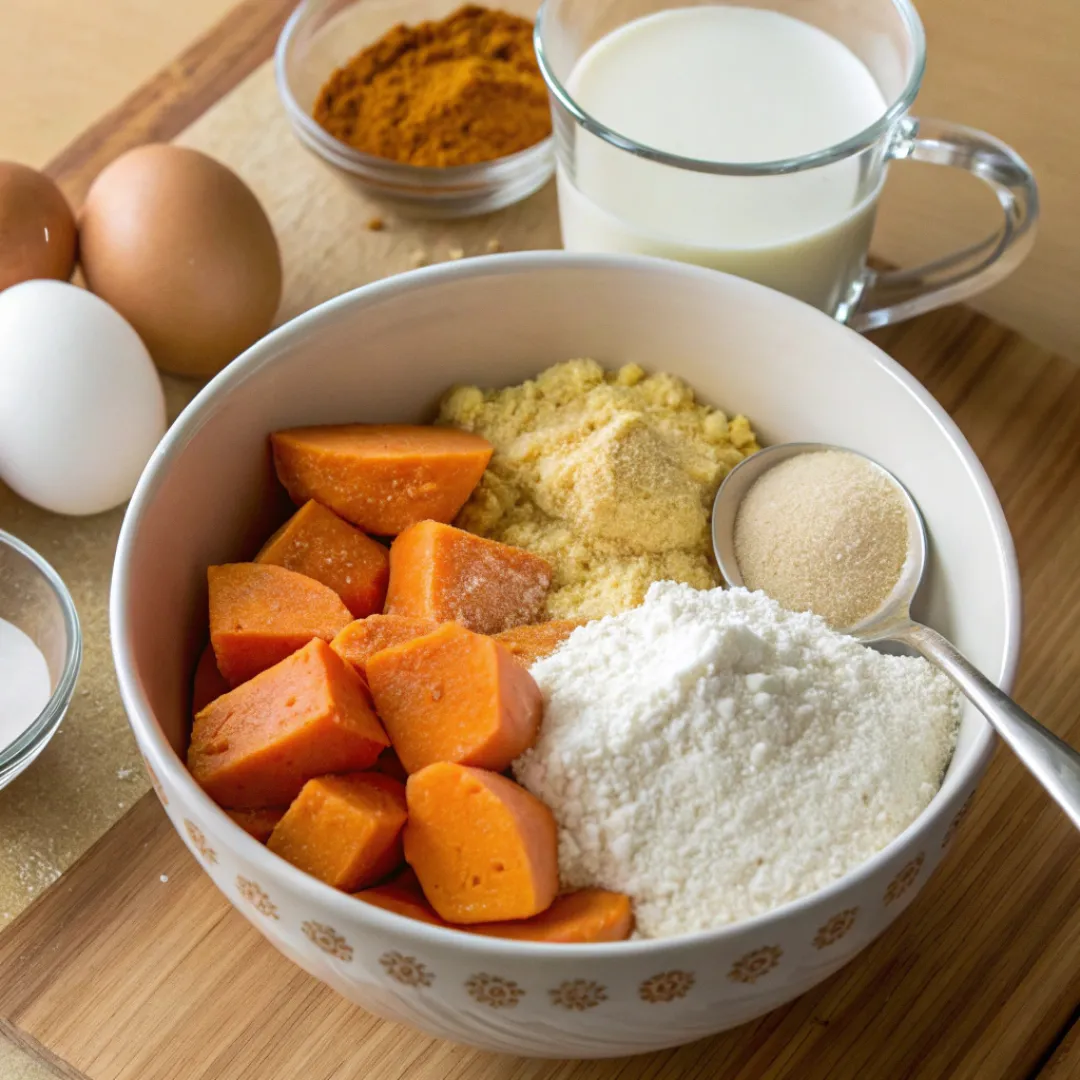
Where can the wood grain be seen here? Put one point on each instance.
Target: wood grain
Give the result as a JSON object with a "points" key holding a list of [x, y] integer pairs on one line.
{"points": [[37, 1062], [163, 107], [1065, 1064], [120, 975], [1010, 69]]}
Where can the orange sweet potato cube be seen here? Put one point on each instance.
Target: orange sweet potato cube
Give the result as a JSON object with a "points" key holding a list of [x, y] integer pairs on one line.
{"points": [[363, 638], [381, 477], [403, 896], [448, 575], [208, 683], [530, 643], [581, 917], [454, 696], [575, 918], [259, 614], [484, 848], [309, 715], [316, 542], [258, 823], [344, 830]]}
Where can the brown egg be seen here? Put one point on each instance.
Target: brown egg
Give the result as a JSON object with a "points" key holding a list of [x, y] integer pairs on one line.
{"points": [[180, 246], [37, 228]]}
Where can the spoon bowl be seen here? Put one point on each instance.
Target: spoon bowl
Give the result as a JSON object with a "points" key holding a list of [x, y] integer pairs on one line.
{"points": [[895, 610], [1054, 763]]}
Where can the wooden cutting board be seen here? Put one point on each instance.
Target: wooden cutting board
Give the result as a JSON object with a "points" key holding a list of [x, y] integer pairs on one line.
{"points": [[133, 966]]}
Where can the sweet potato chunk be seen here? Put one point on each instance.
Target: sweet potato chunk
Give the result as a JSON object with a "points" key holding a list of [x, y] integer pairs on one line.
{"points": [[259, 614], [308, 715], [454, 696], [381, 477], [580, 917], [365, 637], [402, 894], [344, 830], [316, 542], [258, 823], [527, 644], [209, 683], [483, 848], [446, 574]]}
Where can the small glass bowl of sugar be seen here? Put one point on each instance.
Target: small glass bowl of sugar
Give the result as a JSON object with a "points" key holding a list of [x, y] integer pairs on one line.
{"points": [[40, 653]]}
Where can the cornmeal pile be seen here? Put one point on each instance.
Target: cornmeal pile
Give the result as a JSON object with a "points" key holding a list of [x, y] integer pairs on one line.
{"points": [[608, 475]]}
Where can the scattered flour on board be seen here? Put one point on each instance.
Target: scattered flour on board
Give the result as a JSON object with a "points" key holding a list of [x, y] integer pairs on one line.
{"points": [[715, 756]]}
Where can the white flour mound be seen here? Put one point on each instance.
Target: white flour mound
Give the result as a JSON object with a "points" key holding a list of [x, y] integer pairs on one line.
{"points": [[715, 756]]}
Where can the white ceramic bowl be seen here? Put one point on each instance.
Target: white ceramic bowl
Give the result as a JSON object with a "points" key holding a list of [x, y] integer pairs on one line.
{"points": [[386, 352]]}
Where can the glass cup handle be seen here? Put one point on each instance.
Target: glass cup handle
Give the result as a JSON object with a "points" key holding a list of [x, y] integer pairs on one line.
{"points": [[890, 296]]}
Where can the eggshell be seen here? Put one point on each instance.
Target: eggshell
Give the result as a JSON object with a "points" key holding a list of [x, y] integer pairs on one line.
{"points": [[81, 405], [37, 227], [180, 246]]}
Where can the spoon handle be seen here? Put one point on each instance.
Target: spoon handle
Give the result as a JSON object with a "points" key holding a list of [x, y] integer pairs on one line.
{"points": [[1054, 763]]}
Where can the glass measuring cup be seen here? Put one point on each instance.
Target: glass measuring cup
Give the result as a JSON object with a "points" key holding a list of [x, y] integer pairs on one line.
{"points": [[804, 245]]}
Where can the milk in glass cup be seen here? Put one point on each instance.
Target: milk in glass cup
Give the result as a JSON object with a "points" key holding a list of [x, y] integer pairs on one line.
{"points": [[755, 139]]}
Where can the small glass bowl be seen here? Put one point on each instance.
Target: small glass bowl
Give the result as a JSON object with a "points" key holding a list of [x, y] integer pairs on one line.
{"points": [[34, 599], [319, 37]]}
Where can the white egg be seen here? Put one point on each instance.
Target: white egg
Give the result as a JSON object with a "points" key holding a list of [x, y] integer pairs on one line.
{"points": [[81, 404]]}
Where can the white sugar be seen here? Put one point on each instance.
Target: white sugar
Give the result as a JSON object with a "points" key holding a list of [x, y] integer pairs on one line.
{"points": [[715, 756], [25, 686]]}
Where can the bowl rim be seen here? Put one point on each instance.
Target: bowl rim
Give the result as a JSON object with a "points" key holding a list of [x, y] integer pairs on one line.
{"points": [[277, 345], [330, 148], [16, 755]]}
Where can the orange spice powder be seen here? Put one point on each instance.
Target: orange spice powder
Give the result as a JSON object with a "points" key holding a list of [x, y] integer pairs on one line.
{"points": [[456, 91]]}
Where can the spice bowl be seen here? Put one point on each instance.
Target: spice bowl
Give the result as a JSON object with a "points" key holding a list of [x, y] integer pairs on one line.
{"points": [[496, 321], [319, 37], [36, 601]]}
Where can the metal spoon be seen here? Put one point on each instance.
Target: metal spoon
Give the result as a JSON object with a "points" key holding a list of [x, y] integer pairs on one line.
{"points": [[1054, 763]]}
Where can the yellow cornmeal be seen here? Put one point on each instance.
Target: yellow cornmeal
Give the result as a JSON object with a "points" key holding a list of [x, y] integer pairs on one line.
{"points": [[608, 475]]}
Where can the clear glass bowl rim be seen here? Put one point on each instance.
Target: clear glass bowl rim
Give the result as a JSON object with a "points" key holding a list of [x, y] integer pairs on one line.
{"points": [[31, 741]]}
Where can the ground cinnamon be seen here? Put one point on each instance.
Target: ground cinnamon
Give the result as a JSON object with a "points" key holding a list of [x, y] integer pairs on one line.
{"points": [[456, 91]]}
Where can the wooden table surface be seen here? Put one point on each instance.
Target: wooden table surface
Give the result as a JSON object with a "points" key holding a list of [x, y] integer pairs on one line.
{"points": [[977, 980]]}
